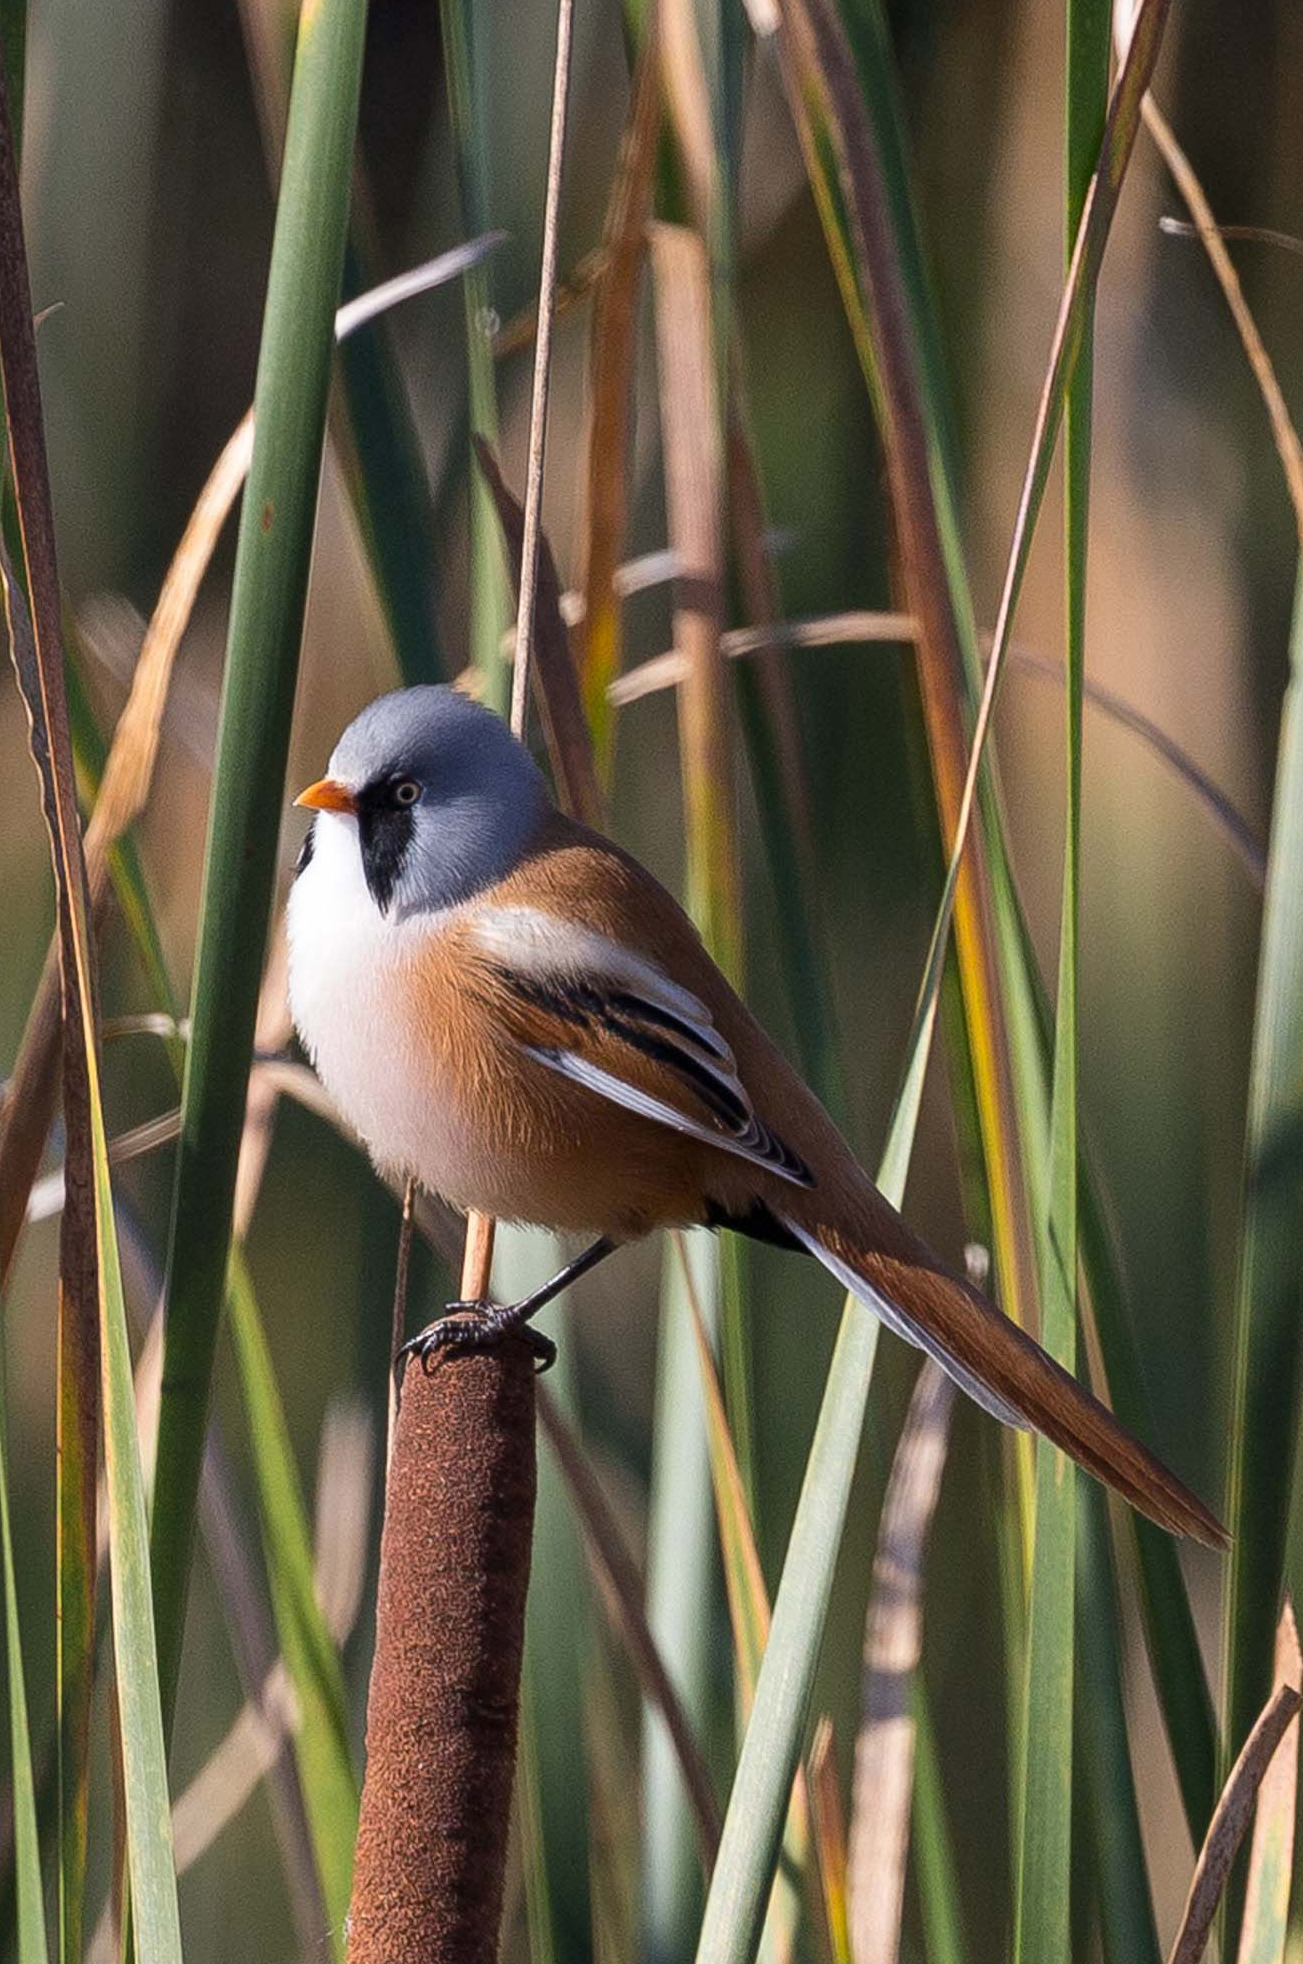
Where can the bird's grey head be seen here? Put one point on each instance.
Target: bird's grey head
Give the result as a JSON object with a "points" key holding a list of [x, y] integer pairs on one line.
{"points": [[442, 796]]}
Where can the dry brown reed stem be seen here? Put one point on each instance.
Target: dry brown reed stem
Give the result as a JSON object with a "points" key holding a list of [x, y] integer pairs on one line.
{"points": [[826, 631], [694, 476], [443, 1705], [556, 687], [1229, 1821], [477, 1258], [36, 648], [857, 627], [612, 347], [1268, 235], [688, 101], [271, 1035], [518, 333], [1271, 1857], [826, 57]]}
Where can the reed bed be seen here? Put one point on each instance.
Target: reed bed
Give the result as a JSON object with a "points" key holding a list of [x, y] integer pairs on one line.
{"points": [[872, 394]]}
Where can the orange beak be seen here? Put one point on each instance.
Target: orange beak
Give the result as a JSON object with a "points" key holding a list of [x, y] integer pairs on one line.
{"points": [[327, 795]]}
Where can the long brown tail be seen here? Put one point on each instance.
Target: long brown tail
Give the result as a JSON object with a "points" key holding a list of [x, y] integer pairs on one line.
{"points": [[997, 1363]]}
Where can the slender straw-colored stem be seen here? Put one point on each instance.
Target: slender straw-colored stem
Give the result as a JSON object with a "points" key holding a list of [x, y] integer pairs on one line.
{"points": [[477, 1262], [398, 1324], [542, 371]]}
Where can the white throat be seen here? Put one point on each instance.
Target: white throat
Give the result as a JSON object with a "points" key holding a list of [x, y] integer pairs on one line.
{"points": [[343, 958]]}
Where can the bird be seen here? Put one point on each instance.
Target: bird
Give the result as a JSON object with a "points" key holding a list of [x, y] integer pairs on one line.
{"points": [[510, 1009]]}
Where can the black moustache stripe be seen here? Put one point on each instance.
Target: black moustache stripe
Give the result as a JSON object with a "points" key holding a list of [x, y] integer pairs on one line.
{"points": [[386, 836]]}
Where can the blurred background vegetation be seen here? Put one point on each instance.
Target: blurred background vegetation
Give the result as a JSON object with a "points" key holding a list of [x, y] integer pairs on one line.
{"points": [[148, 181]]}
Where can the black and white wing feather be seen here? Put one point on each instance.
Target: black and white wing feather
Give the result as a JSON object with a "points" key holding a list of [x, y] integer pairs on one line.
{"points": [[609, 1015]]}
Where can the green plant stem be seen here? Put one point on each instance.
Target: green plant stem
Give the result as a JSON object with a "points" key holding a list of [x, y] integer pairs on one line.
{"points": [[268, 596], [1044, 1855], [1121, 1880], [682, 1592]]}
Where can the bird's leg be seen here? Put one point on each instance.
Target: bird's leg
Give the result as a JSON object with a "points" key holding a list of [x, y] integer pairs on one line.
{"points": [[471, 1326]]}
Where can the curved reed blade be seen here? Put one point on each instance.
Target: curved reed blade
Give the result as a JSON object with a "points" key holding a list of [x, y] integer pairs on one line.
{"points": [[1230, 1822]]}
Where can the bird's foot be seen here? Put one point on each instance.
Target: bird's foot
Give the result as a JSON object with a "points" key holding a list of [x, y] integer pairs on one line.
{"points": [[467, 1327]]}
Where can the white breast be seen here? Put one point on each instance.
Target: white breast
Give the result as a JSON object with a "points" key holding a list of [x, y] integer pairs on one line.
{"points": [[349, 1006]]}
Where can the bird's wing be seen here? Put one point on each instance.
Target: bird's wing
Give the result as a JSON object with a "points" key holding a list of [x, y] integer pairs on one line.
{"points": [[613, 1021]]}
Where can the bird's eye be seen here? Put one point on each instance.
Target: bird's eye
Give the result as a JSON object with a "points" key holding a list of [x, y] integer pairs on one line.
{"points": [[406, 791]]}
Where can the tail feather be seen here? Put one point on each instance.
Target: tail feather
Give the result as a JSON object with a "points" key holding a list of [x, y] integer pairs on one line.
{"points": [[1001, 1367]]}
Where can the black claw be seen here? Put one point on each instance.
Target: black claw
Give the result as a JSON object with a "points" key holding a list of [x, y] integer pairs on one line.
{"points": [[543, 1348], [468, 1327]]}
